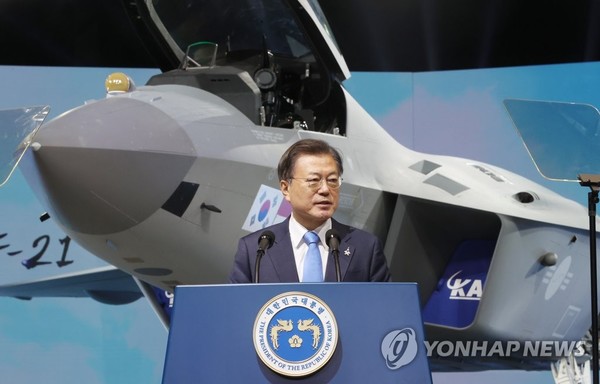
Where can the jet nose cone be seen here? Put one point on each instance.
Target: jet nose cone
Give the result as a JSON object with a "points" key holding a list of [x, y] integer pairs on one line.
{"points": [[108, 165]]}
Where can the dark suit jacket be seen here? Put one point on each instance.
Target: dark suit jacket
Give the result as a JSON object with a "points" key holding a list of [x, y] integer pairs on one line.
{"points": [[361, 257]]}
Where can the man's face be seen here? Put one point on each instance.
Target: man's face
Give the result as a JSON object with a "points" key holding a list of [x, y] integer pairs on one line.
{"points": [[311, 207]]}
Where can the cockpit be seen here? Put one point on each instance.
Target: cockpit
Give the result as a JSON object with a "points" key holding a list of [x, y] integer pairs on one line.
{"points": [[267, 58]]}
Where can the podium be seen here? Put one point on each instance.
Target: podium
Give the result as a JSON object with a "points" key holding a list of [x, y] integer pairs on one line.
{"points": [[309, 333]]}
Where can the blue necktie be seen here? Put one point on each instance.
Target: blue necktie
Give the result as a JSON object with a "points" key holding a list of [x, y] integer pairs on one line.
{"points": [[313, 269]]}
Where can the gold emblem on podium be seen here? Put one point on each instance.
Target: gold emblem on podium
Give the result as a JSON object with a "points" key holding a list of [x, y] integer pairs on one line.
{"points": [[295, 334]]}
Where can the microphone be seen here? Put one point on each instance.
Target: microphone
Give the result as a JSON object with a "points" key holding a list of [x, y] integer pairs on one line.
{"points": [[265, 241], [332, 238]]}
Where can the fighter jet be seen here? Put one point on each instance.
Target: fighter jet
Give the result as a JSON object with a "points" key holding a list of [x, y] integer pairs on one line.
{"points": [[160, 180]]}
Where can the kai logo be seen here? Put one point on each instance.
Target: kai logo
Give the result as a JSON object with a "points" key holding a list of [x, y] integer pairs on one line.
{"points": [[467, 289]]}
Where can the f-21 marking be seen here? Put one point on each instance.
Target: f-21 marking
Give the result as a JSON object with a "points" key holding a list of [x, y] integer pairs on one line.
{"points": [[42, 242]]}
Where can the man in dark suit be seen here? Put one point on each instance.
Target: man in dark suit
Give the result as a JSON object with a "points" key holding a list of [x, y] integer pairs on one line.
{"points": [[310, 174]]}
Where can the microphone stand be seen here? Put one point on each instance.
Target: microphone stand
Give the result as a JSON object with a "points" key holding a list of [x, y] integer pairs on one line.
{"points": [[259, 255], [332, 239], [265, 241], [593, 181], [336, 260]]}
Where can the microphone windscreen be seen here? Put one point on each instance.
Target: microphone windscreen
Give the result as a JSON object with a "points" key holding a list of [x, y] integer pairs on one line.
{"points": [[266, 240], [332, 238]]}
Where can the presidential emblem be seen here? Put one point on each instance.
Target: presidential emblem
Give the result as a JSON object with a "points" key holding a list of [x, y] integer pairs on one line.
{"points": [[295, 334]]}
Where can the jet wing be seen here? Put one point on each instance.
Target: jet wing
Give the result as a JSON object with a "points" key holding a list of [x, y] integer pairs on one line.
{"points": [[108, 285]]}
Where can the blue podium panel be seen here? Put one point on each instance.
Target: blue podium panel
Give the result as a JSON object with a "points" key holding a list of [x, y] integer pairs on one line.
{"points": [[261, 333]]}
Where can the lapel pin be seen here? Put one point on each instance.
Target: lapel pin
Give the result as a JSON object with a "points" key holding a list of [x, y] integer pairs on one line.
{"points": [[347, 251]]}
